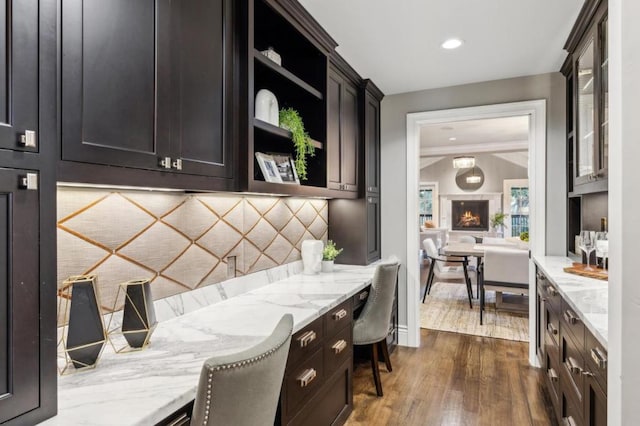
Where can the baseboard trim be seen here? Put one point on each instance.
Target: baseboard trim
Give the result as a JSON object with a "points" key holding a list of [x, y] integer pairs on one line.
{"points": [[403, 336]]}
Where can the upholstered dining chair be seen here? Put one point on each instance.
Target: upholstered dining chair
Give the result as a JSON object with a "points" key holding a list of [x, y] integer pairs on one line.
{"points": [[242, 389], [372, 326], [504, 270], [437, 269], [474, 263]]}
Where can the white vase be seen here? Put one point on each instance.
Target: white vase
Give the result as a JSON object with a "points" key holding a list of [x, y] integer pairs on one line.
{"points": [[267, 107], [327, 265], [312, 256]]}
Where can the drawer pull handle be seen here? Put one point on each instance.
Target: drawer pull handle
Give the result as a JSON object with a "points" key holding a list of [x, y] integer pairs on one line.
{"points": [[307, 377], [340, 314], [569, 421], [339, 346], [553, 376], [307, 338], [552, 291], [599, 358], [572, 366], [570, 317], [552, 329], [363, 295]]}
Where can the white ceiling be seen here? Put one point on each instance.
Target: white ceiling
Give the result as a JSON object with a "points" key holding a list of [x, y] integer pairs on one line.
{"points": [[492, 135], [397, 43]]}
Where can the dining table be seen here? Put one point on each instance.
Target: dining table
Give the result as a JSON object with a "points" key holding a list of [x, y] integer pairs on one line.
{"points": [[466, 250]]}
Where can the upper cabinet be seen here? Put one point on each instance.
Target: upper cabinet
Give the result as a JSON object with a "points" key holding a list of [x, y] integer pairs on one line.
{"points": [[372, 97], [588, 105], [19, 75], [343, 126], [148, 85]]}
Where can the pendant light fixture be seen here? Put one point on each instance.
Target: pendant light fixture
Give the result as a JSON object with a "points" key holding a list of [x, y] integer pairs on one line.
{"points": [[464, 162]]}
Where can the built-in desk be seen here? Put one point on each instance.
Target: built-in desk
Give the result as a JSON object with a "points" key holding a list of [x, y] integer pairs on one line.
{"points": [[143, 388]]}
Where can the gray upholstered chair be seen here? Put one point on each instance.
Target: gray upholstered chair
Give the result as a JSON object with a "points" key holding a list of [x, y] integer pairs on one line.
{"points": [[505, 270], [372, 326], [243, 388]]}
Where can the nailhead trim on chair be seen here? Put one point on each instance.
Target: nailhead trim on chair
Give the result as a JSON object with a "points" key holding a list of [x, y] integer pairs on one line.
{"points": [[235, 365]]}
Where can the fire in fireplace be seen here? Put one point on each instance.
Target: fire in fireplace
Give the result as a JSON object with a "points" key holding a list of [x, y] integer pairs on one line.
{"points": [[470, 215]]}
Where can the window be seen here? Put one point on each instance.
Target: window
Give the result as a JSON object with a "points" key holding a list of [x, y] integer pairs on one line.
{"points": [[426, 206], [519, 210]]}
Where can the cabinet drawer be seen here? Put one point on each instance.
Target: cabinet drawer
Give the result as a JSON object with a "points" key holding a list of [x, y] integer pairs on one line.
{"points": [[360, 298], [306, 341], [553, 375], [337, 350], [302, 382], [572, 367], [551, 295], [596, 359], [572, 323], [552, 325], [571, 414], [338, 318]]}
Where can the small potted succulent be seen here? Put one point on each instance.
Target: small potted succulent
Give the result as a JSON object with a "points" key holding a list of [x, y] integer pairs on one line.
{"points": [[329, 254]]}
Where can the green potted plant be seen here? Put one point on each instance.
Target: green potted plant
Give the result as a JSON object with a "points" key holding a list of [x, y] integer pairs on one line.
{"points": [[497, 222], [329, 254], [290, 119]]}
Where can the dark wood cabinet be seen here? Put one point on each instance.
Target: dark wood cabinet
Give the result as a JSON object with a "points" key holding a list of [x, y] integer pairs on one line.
{"points": [[575, 363], [373, 238], [586, 70], [343, 127], [371, 129], [148, 85], [19, 128], [317, 388], [19, 291]]}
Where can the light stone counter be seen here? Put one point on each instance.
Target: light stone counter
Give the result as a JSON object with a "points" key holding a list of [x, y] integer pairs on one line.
{"points": [[142, 388], [587, 296]]}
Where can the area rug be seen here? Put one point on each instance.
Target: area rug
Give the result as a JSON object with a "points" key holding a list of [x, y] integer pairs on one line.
{"points": [[447, 309]]}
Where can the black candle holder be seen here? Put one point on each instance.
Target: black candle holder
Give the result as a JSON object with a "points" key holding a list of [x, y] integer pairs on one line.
{"points": [[82, 336], [131, 328]]}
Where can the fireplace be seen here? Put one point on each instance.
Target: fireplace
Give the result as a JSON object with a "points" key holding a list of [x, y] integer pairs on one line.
{"points": [[470, 215]]}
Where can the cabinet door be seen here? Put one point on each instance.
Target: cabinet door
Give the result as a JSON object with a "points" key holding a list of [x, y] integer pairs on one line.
{"points": [[342, 134], [111, 66], [603, 102], [201, 92], [585, 81], [19, 297], [19, 74], [373, 229], [595, 404], [372, 144]]}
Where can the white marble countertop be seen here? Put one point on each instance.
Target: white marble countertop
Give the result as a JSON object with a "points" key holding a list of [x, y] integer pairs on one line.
{"points": [[588, 296], [144, 387]]}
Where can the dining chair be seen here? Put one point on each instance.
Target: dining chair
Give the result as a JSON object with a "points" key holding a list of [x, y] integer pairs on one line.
{"points": [[372, 326], [504, 270], [439, 270], [243, 389]]}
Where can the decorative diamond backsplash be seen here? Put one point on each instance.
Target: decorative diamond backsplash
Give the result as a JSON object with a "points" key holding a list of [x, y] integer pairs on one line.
{"points": [[179, 241]]}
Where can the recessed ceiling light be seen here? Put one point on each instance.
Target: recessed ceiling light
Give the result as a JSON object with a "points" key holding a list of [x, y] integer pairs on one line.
{"points": [[452, 43], [453, 139]]}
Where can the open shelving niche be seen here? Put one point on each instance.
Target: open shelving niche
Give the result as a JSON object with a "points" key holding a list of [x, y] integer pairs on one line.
{"points": [[299, 83]]}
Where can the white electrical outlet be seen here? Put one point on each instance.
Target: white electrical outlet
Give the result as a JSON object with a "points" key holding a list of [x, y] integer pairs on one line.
{"points": [[231, 267]]}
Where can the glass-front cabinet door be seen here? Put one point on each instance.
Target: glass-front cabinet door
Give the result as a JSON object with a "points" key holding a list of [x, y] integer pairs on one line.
{"points": [[585, 166], [603, 151]]}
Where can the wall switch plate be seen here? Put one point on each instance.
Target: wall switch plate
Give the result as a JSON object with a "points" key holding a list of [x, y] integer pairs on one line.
{"points": [[231, 266]]}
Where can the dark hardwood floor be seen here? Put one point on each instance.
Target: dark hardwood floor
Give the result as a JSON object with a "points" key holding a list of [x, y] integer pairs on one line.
{"points": [[454, 379]]}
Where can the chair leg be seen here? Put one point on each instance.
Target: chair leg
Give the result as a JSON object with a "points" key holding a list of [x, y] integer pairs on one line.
{"points": [[375, 368], [481, 302], [428, 283], [468, 281], [385, 353]]}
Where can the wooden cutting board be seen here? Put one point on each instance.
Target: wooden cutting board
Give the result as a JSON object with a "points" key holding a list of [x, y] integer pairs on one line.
{"points": [[579, 269]]}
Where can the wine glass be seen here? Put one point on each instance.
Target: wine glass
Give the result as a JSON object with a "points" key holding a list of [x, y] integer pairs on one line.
{"points": [[602, 248], [587, 244]]}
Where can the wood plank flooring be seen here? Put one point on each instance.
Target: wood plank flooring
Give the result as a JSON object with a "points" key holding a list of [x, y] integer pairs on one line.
{"points": [[454, 379]]}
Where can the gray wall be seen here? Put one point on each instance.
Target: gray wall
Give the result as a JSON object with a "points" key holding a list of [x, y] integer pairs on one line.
{"points": [[394, 128], [495, 170]]}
